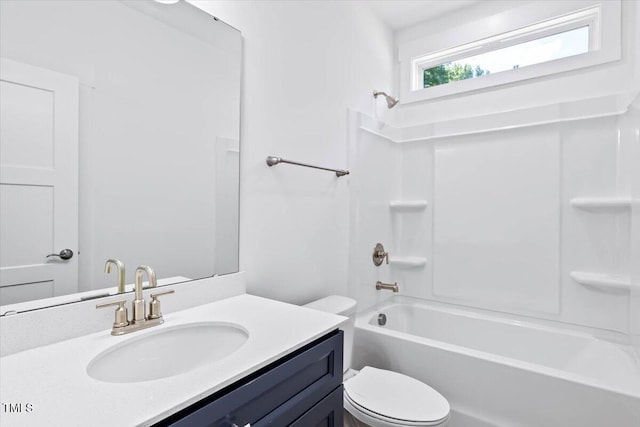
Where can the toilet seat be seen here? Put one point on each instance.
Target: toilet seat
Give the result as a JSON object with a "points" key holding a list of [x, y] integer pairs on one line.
{"points": [[384, 398]]}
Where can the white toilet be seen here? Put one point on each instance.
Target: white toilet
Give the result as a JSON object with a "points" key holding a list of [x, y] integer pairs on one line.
{"points": [[378, 397]]}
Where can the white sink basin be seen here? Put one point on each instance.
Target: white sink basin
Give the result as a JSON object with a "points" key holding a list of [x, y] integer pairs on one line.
{"points": [[167, 352]]}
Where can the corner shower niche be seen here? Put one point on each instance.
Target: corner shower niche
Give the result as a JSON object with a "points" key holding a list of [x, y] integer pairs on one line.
{"points": [[407, 205], [402, 212], [526, 213], [602, 204], [618, 209], [407, 261]]}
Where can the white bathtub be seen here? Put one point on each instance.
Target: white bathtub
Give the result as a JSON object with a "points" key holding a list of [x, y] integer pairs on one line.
{"points": [[497, 371]]}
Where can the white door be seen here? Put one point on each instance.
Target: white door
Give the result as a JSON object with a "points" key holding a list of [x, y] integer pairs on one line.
{"points": [[38, 182]]}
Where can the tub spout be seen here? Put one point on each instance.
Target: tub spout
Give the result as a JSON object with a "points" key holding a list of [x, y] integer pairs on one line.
{"points": [[389, 286]]}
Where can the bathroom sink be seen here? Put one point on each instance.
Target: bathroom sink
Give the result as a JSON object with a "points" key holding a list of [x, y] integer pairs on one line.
{"points": [[167, 352]]}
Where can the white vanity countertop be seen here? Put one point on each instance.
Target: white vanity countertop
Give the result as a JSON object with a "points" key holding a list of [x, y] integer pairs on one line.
{"points": [[54, 381]]}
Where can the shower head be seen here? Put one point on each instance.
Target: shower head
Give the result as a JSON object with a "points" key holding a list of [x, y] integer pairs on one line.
{"points": [[391, 101]]}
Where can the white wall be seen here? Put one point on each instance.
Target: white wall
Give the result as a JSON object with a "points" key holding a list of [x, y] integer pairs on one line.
{"points": [[305, 64], [615, 77]]}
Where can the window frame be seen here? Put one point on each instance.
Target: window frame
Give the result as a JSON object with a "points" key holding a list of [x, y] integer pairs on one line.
{"points": [[603, 19]]}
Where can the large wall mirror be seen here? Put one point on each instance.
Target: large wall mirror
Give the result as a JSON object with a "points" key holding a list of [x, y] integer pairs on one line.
{"points": [[119, 140]]}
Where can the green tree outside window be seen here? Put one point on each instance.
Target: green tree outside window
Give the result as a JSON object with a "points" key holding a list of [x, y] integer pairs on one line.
{"points": [[449, 72]]}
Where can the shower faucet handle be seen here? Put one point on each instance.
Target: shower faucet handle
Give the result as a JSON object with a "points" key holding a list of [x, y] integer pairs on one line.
{"points": [[379, 255]]}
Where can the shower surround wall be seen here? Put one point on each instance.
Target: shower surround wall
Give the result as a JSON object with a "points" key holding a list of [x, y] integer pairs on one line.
{"points": [[633, 138], [527, 213], [494, 190]]}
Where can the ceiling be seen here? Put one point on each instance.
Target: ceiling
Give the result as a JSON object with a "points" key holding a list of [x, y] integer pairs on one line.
{"points": [[399, 14]]}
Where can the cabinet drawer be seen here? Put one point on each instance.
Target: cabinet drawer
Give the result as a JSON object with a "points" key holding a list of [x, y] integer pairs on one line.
{"points": [[327, 413], [282, 391]]}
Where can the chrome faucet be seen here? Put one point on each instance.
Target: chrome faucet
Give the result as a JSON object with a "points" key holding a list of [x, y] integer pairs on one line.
{"points": [[139, 318], [120, 266]]}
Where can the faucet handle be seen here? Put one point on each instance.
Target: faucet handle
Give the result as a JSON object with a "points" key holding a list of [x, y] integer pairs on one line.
{"points": [[121, 312], [154, 305], [379, 255]]}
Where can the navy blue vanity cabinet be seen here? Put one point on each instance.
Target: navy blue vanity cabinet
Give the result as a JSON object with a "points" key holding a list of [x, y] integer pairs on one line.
{"points": [[302, 389], [326, 413]]}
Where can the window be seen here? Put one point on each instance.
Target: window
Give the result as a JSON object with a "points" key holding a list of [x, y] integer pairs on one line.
{"points": [[523, 43], [556, 46]]}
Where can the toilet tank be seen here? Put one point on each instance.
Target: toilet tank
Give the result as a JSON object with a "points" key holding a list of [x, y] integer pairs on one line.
{"points": [[343, 306]]}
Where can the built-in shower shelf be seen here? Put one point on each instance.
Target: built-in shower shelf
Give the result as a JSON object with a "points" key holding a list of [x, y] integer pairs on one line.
{"points": [[407, 261], [611, 282], [407, 205], [601, 203]]}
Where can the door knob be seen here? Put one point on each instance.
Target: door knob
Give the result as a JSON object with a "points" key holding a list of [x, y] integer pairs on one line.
{"points": [[64, 254]]}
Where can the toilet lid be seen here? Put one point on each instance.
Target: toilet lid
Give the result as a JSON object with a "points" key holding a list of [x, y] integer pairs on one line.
{"points": [[396, 396]]}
